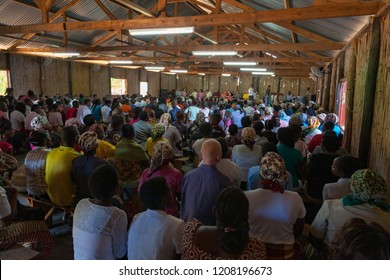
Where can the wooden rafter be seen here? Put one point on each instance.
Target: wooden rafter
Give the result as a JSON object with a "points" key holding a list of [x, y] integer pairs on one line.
{"points": [[52, 18], [181, 47], [105, 9], [215, 59], [312, 12]]}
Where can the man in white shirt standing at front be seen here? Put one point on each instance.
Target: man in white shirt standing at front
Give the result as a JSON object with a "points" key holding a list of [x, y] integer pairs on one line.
{"points": [[251, 92]]}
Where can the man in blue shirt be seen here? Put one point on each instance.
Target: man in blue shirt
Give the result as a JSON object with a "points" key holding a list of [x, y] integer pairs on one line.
{"points": [[202, 185]]}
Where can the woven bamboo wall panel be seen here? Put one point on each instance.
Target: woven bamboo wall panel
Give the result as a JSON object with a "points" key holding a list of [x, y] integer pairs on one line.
{"points": [[168, 81], [3, 61], [55, 77], [80, 74], [229, 83], [133, 80], [290, 84], [245, 83], [25, 71], [153, 83], [380, 134], [100, 77], [213, 83], [362, 53]]}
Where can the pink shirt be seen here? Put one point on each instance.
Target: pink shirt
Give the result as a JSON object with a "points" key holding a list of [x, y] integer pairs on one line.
{"points": [[174, 179]]}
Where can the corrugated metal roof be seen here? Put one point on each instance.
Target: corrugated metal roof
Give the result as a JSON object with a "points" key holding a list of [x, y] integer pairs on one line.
{"points": [[16, 13]]}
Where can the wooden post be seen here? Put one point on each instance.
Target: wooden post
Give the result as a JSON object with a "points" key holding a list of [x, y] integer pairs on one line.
{"points": [[325, 96], [333, 86], [351, 74], [369, 92]]}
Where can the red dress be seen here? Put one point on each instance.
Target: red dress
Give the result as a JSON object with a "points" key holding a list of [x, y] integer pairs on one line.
{"points": [[254, 250]]}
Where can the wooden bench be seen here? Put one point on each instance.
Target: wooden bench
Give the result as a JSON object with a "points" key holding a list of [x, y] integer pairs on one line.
{"points": [[178, 162], [47, 207]]}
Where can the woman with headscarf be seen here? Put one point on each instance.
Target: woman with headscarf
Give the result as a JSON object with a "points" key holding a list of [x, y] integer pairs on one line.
{"points": [[248, 154], [194, 129], [161, 166], [156, 132], [275, 215], [172, 135], [84, 165], [229, 239], [312, 130], [367, 200], [332, 117]]}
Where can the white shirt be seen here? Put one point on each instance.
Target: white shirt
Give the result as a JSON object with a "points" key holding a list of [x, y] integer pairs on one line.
{"points": [[99, 232], [82, 111], [272, 215], [333, 215], [16, 119], [249, 111], [230, 170], [154, 235], [251, 91], [246, 158], [106, 113], [28, 119], [336, 190]]}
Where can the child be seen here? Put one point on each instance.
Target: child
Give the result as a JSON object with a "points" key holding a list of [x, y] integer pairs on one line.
{"points": [[153, 234], [343, 167]]}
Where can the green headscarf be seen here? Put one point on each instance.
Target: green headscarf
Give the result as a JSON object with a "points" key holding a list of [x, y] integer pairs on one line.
{"points": [[367, 187]]}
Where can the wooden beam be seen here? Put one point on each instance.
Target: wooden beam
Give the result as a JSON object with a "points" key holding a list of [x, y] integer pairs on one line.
{"points": [[293, 35], [45, 6], [131, 5], [181, 47], [161, 6], [105, 38], [105, 9], [65, 33], [285, 24], [312, 12], [217, 11], [214, 59], [53, 17]]}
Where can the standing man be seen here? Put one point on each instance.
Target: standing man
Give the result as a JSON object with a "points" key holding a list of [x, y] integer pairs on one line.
{"points": [[267, 97], [84, 110], [251, 92]]}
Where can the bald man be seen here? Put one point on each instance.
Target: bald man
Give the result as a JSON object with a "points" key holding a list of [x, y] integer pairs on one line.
{"points": [[202, 185]]}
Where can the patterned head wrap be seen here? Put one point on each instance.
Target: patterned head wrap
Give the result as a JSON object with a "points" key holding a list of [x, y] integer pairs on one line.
{"points": [[368, 186], [72, 122], [321, 117], [314, 122], [39, 123], [200, 118], [98, 129], [161, 151], [248, 134], [157, 131], [88, 141], [273, 171], [332, 117], [165, 119]]}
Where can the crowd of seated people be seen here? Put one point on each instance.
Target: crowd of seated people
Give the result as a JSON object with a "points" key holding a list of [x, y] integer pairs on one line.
{"points": [[261, 173]]}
